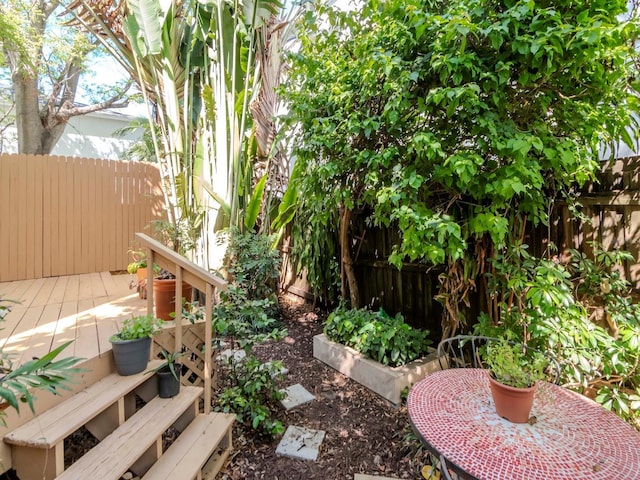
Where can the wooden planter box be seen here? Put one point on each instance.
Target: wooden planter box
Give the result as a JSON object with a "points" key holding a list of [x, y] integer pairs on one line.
{"points": [[388, 382]]}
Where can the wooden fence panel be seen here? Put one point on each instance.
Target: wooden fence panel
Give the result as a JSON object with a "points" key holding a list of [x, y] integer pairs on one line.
{"points": [[66, 216], [611, 209]]}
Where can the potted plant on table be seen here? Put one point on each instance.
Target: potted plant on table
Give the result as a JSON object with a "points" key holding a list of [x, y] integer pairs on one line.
{"points": [[131, 346], [514, 371], [168, 374]]}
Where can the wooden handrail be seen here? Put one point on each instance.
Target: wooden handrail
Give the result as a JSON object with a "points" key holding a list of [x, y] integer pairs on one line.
{"points": [[197, 277]]}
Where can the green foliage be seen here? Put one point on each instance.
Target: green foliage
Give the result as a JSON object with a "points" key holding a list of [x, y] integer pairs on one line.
{"points": [[137, 327], [170, 363], [552, 307], [246, 309], [247, 322], [454, 121], [376, 335], [244, 316], [44, 373], [138, 260], [252, 394], [253, 264], [514, 365]]}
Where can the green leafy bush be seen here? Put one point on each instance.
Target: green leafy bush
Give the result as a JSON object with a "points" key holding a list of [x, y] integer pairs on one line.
{"points": [[245, 317], [253, 264], [252, 392], [137, 327], [388, 340], [553, 309], [47, 373]]}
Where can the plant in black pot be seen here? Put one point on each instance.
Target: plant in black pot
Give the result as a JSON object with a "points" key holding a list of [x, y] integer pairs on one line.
{"points": [[168, 374], [131, 346], [514, 371]]}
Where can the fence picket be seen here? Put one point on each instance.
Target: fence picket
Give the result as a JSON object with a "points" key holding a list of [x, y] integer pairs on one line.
{"points": [[67, 216]]}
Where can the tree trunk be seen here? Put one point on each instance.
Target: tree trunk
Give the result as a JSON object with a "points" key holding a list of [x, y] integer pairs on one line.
{"points": [[346, 261], [28, 123]]}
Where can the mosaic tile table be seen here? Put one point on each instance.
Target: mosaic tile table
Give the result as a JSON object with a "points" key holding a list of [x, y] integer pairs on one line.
{"points": [[573, 438]]}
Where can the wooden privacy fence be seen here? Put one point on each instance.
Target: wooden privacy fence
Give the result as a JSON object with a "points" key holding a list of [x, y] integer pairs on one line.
{"points": [[66, 216], [611, 217]]}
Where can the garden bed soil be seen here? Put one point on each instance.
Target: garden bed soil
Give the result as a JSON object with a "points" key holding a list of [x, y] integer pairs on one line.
{"points": [[364, 432]]}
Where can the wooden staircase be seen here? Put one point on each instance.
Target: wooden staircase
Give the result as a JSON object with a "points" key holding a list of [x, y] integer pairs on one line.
{"points": [[130, 439]]}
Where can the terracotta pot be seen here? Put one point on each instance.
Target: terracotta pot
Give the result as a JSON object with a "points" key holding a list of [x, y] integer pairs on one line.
{"points": [[164, 292], [513, 404]]}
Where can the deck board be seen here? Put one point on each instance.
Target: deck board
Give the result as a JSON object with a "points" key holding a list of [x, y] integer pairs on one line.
{"points": [[85, 308]]}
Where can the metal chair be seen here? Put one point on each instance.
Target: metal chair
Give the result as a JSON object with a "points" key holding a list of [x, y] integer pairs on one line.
{"points": [[444, 470], [463, 351]]}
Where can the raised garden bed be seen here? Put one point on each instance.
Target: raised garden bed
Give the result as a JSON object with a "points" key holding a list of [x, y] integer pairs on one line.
{"points": [[388, 382]]}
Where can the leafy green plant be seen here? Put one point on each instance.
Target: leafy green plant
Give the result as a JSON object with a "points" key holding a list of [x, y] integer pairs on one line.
{"points": [[137, 327], [45, 373], [244, 317], [138, 260], [243, 321], [457, 123], [170, 362], [253, 264], [388, 340], [514, 365], [252, 392], [552, 305]]}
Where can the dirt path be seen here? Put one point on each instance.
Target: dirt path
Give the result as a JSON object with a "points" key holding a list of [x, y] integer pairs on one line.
{"points": [[364, 433]]}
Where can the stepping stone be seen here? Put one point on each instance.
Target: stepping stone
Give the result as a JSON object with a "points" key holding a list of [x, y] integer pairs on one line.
{"points": [[302, 443], [232, 356], [294, 396]]}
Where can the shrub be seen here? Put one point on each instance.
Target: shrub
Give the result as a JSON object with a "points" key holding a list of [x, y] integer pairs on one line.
{"points": [[252, 392], [245, 316], [388, 340], [554, 313]]}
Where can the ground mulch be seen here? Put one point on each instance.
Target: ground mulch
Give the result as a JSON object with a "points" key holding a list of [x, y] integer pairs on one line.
{"points": [[364, 432]]}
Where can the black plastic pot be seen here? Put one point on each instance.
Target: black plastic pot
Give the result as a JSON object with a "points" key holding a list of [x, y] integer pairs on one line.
{"points": [[168, 385], [131, 356]]}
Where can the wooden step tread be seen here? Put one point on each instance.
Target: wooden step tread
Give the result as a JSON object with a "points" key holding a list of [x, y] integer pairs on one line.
{"points": [[54, 425], [111, 458], [191, 450]]}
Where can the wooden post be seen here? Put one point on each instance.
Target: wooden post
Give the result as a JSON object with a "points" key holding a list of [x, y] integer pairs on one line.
{"points": [[207, 348], [178, 307], [150, 273]]}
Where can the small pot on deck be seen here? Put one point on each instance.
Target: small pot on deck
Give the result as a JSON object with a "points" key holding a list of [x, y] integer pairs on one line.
{"points": [[168, 384]]}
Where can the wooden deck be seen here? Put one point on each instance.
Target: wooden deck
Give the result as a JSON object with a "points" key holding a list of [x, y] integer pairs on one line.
{"points": [[85, 308]]}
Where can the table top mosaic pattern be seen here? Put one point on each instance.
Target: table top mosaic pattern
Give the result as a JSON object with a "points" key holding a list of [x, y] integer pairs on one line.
{"points": [[571, 437]]}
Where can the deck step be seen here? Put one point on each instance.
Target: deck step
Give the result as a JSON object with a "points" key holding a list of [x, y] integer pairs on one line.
{"points": [[138, 439], [39, 443], [209, 435], [57, 423]]}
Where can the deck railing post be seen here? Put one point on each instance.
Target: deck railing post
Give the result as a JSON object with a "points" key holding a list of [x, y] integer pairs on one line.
{"points": [[150, 274], [207, 348], [197, 277], [178, 307]]}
